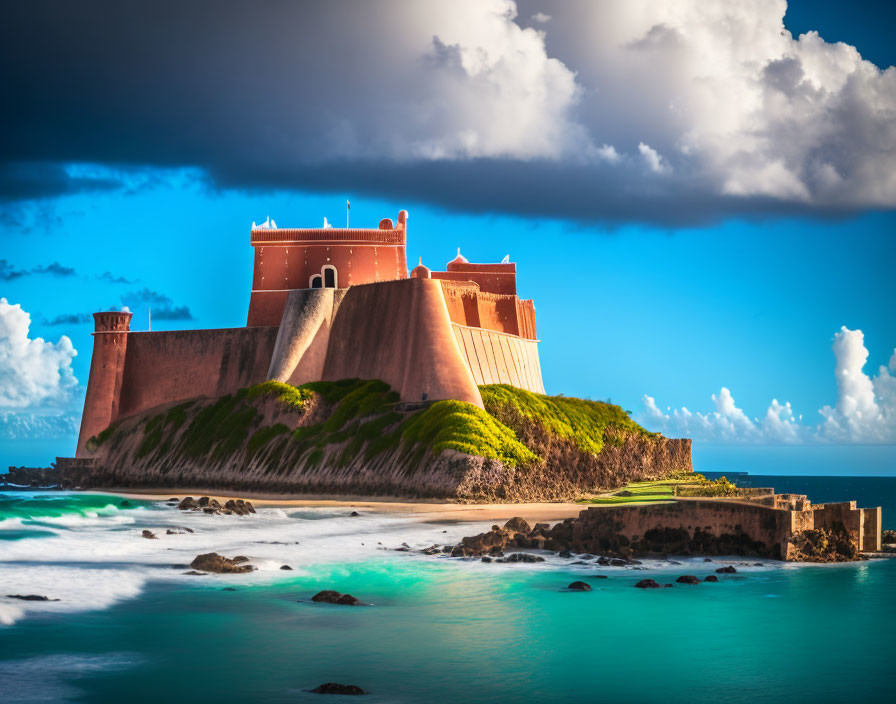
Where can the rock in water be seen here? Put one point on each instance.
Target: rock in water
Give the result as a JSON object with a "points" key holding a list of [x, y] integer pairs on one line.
{"points": [[688, 579], [517, 525], [579, 587], [30, 597], [710, 578], [354, 513], [285, 567], [522, 557], [647, 584], [149, 535], [335, 688], [331, 596], [213, 562], [728, 569], [187, 503]]}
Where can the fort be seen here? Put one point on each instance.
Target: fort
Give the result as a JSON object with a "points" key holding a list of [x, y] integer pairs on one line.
{"points": [[329, 304], [355, 376]]}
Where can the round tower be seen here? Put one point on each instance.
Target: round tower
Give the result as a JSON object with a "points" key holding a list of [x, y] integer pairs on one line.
{"points": [[110, 340], [420, 271]]}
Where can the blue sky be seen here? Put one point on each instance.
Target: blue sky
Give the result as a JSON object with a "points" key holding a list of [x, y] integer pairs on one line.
{"points": [[670, 306]]}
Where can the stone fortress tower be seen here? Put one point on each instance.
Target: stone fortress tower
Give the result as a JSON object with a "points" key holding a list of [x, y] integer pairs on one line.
{"points": [[328, 304], [110, 342], [288, 259]]}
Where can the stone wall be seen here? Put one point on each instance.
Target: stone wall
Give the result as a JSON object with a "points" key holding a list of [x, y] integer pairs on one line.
{"points": [[717, 526], [164, 367], [400, 332], [863, 525], [496, 358]]}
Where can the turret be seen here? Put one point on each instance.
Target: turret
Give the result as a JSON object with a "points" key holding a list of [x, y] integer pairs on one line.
{"points": [[110, 339], [420, 271]]}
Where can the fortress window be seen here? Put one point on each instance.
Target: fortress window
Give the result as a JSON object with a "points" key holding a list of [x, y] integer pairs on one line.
{"points": [[316, 281], [329, 272]]}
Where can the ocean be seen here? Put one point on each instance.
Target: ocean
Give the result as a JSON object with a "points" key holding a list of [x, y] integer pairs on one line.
{"points": [[130, 625]]}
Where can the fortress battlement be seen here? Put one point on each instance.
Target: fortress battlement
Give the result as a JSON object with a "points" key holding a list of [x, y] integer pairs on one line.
{"points": [[329, 304]]}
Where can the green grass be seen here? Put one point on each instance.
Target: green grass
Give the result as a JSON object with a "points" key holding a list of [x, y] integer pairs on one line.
{"points": [[460, 426], [362, 416], [292, 396], [263, 436], [581, 421], [640, 492]]}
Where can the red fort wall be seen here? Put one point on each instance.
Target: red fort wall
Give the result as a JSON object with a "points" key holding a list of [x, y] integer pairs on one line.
{"points": [[164, 367]]}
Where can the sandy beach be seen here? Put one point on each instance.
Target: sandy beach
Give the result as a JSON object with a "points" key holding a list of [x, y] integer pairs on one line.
{"points": [[426, 510]]}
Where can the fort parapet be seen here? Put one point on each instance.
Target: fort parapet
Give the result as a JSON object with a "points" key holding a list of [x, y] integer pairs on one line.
{"points": [[327, 304]]}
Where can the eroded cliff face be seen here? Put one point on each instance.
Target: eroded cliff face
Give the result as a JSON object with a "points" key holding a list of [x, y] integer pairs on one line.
{"points": [[319, 442]]}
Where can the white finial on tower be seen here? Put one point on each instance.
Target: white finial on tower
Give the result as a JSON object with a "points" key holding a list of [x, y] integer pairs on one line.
{"points": [[506, 259], [327, 225]]}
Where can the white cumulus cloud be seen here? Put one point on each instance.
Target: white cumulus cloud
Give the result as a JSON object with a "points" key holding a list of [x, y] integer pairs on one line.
{"points": [[34, 373], [865, 411]]}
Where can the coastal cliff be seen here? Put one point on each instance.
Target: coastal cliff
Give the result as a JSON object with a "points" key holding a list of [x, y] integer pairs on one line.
{"points": [[355, 437]]}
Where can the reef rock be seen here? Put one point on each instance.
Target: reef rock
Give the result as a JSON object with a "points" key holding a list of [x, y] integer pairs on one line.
{"points": [[647, 584], [335, 688], [331, 596], [579, 587], [213, 562], [30, 597]]}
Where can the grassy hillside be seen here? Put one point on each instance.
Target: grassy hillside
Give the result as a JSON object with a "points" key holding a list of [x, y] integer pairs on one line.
{"points": [[365, 416], [580, 421], [356, 437]]}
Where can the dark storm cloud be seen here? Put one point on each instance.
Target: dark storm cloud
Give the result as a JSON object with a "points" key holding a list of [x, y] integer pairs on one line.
{"points": [[9, 273], [69, 319], [162, 306], [374, 98], [112, 279]]}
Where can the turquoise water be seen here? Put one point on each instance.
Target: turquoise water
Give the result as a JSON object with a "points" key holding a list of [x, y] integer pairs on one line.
{"points": [[130, 626]]}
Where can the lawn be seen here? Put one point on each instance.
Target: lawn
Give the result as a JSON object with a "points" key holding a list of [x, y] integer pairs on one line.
{"points": [[639, 492]]}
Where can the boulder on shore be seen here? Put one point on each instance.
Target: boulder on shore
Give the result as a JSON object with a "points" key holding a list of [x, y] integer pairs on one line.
{"points": [[517, 525], [213, 562]]}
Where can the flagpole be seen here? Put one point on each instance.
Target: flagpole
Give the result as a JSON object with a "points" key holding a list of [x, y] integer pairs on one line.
{"points": [[347, 208]]}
